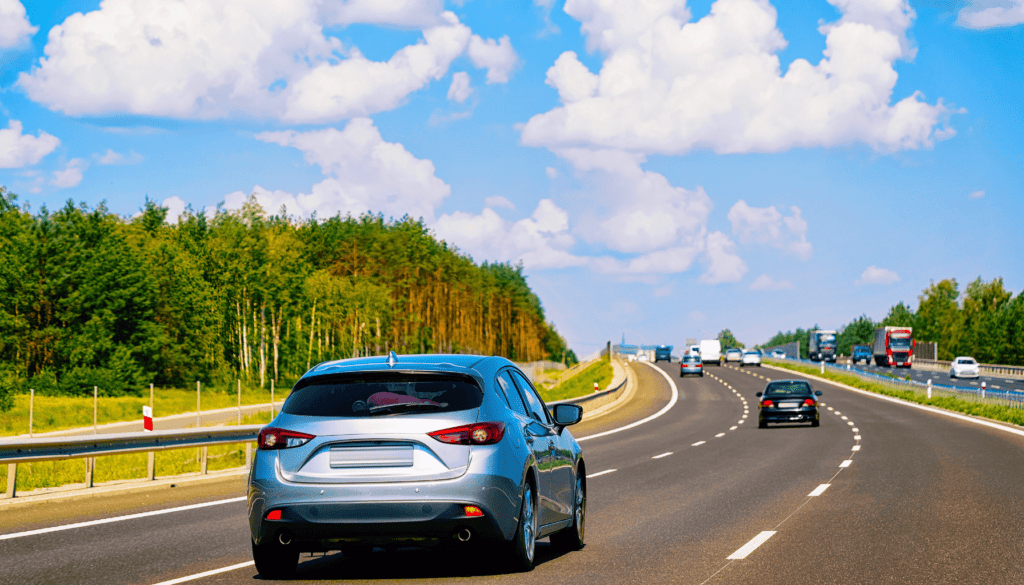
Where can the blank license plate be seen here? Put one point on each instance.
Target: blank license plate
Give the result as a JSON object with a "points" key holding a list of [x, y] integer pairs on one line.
{"points": [[385, 456]]}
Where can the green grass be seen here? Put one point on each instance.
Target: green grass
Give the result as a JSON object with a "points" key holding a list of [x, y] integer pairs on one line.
{"points": [[55, 413], [581, 384], [48, 474], [997, 412]]}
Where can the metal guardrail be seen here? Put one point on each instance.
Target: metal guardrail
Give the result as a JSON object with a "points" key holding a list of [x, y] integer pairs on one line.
{"points": [[92, 446], [1009, 398]]}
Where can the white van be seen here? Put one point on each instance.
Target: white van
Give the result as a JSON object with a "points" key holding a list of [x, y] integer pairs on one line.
{"points": [[710, 351]]}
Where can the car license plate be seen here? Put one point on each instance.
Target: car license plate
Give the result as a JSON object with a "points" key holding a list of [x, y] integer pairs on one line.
{"points": [[382, 456], [789, 405]]}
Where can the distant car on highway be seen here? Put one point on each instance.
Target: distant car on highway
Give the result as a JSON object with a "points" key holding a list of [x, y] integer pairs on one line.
{"points": [[787, 401], [861, 353], [964, 367], [751, 357], [489, 462], [779, 354], [663, 352], [733, 355], [691, 364]]}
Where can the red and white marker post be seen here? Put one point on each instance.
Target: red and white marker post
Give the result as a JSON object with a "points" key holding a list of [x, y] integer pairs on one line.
{"points": [[147, 418], [596, 389]]}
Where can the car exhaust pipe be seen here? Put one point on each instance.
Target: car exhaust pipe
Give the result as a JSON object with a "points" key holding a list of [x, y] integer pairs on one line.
{"points": [[284, 537], [463, 535]]}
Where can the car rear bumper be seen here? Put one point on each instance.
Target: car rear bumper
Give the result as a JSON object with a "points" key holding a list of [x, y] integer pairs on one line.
{"points": [[329, 526], [788, 415]]}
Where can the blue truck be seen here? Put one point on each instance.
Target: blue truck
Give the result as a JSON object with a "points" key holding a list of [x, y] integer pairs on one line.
{"points": [[663, 352]]}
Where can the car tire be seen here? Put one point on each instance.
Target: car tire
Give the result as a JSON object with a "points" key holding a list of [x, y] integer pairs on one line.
{"points": [[275, 561], [816, 423], [702, 374], [524, 543], [571, 538], [761, 424]]}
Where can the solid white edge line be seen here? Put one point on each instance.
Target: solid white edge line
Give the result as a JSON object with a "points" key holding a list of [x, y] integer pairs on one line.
{"points": [[120, 518], [667, 407], [662, 455], [601, 473], [206, 574], [751, 546], [819, 490]]}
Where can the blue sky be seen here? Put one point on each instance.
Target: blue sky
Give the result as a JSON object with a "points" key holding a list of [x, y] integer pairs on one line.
{"points": [[663, 169]]}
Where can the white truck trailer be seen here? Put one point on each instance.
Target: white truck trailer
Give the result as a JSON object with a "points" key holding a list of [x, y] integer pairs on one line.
{"points": [[710, 351]]}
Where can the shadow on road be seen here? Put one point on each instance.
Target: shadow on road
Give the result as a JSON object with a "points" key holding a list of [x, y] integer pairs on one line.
{"points": [[411, 563]]}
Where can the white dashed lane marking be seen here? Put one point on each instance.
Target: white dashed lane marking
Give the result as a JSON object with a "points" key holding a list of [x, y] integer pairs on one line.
{"points": [[601, 473], [751, 546], [662, 455], [819, 490], [846, 463], [698, 443], [719, 435]]}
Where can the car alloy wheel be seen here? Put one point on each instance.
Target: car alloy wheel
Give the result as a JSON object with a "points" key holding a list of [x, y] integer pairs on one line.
{"points": [[571, 537], [525, 541]]}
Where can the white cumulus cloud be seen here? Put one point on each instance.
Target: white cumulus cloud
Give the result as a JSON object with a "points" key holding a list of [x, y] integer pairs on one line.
{"points": [[723, 263], [364, 173], [876, 275], [71, 175], [498, 201], [175, 207], [766, 225], [976, 195], [460, 87], [982, 14], [15, 29], [19, 150], [269, 59], [765, 282], [116, 158], [668, 85], [498, 57], [539, 241]]}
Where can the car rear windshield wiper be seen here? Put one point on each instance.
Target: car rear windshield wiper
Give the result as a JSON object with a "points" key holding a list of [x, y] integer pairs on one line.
{"points": [[410, 405]]}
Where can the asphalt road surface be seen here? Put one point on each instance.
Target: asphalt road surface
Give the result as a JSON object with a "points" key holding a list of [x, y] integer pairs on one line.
{"points": [[901, 495]]}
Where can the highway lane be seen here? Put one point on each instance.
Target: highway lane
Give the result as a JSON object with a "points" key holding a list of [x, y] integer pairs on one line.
{"points": [[927, 499], [689, 490]]}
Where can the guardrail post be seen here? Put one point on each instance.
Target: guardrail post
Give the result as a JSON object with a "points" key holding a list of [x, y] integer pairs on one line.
{"points": [[12, 479], [151, 466], [929, 388], [248, 455], [90, 465], [203, 462]]}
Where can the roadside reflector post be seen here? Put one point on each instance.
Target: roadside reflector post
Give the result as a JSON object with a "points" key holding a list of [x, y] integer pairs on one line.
{"points": [[982, 390], [822, 366], [596, 389], [12, 479], [248, 455], [151, 466], [147, 418], [929, 388], [239, 402]]}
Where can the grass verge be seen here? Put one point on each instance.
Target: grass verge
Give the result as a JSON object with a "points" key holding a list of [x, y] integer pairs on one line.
{"points": [[997, 412], [49, 474], [56, 413], [581, 384]]}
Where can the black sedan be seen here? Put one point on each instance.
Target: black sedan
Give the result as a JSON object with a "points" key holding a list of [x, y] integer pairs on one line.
{"points": [[787, 401]]}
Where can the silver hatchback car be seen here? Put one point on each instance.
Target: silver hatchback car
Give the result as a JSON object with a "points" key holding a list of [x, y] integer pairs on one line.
{"points": [[417, 450]]}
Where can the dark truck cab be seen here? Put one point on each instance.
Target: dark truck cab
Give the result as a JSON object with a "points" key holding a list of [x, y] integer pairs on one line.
{"points": [[663, 352]]}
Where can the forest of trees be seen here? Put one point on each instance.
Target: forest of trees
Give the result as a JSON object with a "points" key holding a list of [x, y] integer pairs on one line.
{"points": [[91, 298], [984, 321]]}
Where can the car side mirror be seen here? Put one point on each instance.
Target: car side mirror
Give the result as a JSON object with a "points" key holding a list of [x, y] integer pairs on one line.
{"points": [[758, 394], [567, 414], [817, 392]]}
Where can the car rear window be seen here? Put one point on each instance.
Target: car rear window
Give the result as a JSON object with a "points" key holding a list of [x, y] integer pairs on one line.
{"points": [[691, 359], [788, 389], [382, 394]]}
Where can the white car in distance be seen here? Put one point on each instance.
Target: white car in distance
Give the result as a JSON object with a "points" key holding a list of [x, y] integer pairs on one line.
{"points": [[964, 367], [751, 357]]}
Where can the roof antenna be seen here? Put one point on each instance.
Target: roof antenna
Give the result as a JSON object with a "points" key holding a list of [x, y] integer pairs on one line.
{"points": [[392, 359]]}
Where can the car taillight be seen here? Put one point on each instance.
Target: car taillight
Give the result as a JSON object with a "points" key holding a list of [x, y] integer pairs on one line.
{"points": [[808, 402], [767, 404], [485, 433], [274, 438]]}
